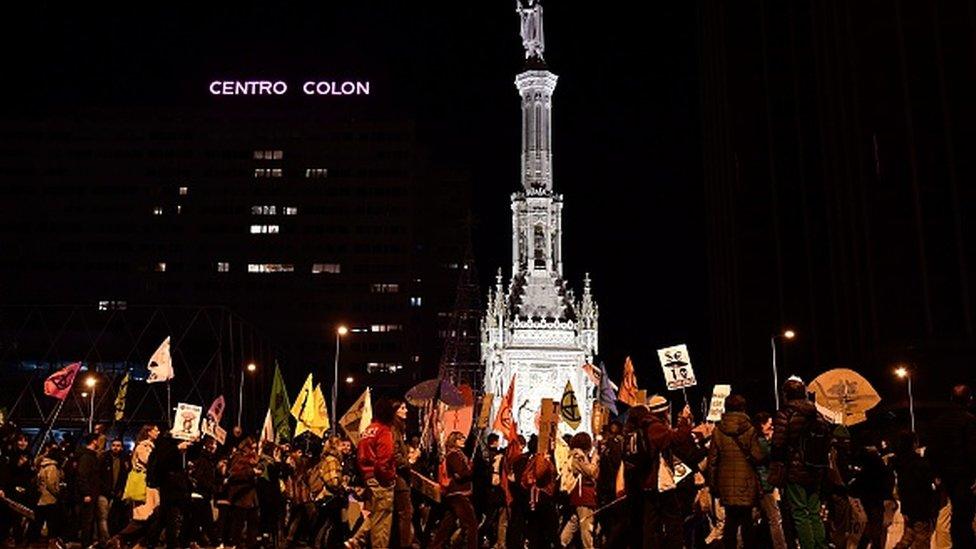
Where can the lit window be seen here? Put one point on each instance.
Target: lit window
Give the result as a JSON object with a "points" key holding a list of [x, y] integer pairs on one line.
{"points": [[384, 288], [268, 155], [290, 210], [267, 172], [383, 367], [158, 210], [270, 268], [179, 209], [331, 268], [112, 305], [416, 301], [184, 190], [380, 328], [160, 267], [223, 267], [264, 229], [263, 210], [316, 173]]}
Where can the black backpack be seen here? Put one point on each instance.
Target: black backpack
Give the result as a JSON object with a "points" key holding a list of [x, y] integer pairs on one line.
{"points": [[636, 452], [815, 442]]}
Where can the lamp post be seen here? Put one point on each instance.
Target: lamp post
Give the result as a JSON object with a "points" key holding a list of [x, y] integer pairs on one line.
{"points": [[340, 331], [90, 382], [904, 373], [251, 367], [786, 335]]}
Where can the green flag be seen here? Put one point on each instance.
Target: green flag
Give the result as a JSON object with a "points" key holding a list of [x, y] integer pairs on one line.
{"points": [[279, 407], [120, 398]]}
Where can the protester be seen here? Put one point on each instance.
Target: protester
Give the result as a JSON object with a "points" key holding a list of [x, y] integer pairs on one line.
{"points": [[732, 460], [798, 460], [457, 496], [769, 498], [401, 494], [917, 492], [952, 451], [243, 471], [49, 483], [87, 487], [584, 468], [113, 469], [378, 467]]}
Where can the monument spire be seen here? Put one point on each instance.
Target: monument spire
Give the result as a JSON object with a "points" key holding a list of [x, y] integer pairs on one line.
{"points": [[533, 39]]}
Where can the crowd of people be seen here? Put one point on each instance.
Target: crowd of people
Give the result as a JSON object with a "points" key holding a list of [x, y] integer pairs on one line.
{"points": [[648, 479]]}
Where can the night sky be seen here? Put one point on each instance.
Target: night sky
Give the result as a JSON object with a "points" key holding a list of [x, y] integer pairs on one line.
{"points": [[626, 123]]}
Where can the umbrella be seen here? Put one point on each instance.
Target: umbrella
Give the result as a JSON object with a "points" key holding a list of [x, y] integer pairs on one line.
{"points": [[443, 389], [846, 394]]}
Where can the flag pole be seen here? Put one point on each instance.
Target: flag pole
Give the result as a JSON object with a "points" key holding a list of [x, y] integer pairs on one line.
{"points": [[169, 405], [50, 425]]}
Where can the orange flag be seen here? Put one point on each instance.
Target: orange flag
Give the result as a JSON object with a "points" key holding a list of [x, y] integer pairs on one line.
{"points": [[504, 422], [628, 386]]}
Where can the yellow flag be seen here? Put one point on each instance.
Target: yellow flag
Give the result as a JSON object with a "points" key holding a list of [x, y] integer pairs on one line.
{"points": [[302, 401], [317, 416]]}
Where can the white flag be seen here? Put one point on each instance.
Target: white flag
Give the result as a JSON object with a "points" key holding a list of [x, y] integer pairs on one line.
{"points": [[268, 431], [161, 364]]}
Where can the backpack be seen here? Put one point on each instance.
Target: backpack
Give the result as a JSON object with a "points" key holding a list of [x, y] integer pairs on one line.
{"points": [[815, 442], [636, 451]]}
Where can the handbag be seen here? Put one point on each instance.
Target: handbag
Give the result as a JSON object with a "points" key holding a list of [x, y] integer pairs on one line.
{"points": [[135, 486]]}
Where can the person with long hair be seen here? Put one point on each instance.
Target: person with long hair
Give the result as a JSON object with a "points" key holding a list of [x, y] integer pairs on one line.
{"points": [[457, 495], [402, 504]]}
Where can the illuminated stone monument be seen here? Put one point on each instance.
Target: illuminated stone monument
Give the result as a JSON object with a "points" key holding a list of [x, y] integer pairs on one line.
{"points": [[535, 327]]}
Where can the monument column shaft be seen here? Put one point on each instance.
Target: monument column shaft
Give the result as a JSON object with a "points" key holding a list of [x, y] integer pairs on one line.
{"points": [[536, 88]]}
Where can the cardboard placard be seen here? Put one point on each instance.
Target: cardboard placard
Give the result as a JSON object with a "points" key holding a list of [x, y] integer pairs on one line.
{"points": [[599, 417], [676, 363], [425, 486], [548, 420], [717, 406], [186, 422], [210, 428], [484, 414]]}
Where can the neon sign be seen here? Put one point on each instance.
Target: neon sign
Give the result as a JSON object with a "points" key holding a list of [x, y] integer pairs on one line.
{"points": [[280, 87]]}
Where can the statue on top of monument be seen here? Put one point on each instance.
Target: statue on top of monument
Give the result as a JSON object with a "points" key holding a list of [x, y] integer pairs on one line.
{"points": [[530, 11]]}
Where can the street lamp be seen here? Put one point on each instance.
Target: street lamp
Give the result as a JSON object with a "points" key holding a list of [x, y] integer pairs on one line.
{"points": [[349, 380], [251, 368], [90, 382], [340, 331], [904, 373], [786, 335]]}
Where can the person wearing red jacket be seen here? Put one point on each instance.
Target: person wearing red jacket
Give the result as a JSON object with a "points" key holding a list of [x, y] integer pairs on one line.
{"points": [[378, 468]]}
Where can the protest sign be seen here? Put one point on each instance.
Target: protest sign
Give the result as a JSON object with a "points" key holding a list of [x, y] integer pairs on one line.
{"points": [[676, 363]]}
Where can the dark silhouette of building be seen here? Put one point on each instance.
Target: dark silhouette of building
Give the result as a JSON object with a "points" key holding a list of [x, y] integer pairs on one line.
{"points": [[297, 222]]}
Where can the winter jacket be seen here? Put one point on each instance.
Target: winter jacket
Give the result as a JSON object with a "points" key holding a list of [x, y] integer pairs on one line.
{"points": [[917, 492], [87, 481], [952, 446], [732, 460], [166, 473], [459, 471], [611, 454], [663, 440], [873, 481], [789, 424], [586, 471], [205, 478], [49, 477], [376, 454], [107, 485], [242, 480], [325, 477]]}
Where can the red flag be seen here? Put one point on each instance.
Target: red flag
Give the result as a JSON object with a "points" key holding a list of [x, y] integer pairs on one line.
{"points": [[504, 422], [628, 386], [58, 384]]}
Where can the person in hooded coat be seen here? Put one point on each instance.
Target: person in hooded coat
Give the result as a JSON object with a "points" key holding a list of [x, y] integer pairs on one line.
{"points": [[732, 460]]}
